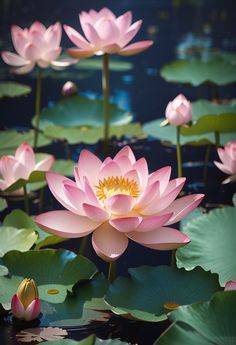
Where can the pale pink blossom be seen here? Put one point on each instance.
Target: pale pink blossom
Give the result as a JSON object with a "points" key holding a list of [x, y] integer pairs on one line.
{"points": [[178, 111], [228, 159], [118, 200], [25, 304], [21, 165], [105, 33], [37, 45], [230, 285]]}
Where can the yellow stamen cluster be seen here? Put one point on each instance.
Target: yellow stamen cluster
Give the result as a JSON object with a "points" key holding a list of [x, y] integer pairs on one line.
{"points": [[116, 185]]}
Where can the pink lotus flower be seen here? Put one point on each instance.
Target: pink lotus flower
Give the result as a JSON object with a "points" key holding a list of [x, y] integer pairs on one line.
{"points": [[230, 285], [228, 158], [20, 166], [36, 45], [25, 304], [105, 34], [118, 200], [178, 111]]}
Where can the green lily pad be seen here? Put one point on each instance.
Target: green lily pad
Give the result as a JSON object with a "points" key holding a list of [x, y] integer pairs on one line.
{"points": [[168, 134], [212, 323], [92, 135], [3, 270], [91, 340], [3, 204], [148, 289], [12, 238], [19, 219], [80, 307], [51, 269], [229, 57], [76, 111], [64, 166], [212, 245], [184, 334], [11, 139], [190, 217], [197, 72], [95, 64], [12, 89]]}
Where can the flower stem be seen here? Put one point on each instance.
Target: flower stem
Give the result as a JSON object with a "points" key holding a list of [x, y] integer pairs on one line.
{"points": [[41, 197], [37, 105], [83, 245], [217, 138], [26, 200], [112, 271], [178, 151], [106, 106]]}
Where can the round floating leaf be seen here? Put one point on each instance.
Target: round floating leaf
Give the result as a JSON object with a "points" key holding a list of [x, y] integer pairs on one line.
{"points": [[213, 321], [197, 72], [20, 219], [92, 340], [229, 56], [3, 204], [168, 134], [11, 139], [76, 111], [12, 89], [3, 270], [182, 333], [95, 64], [190, 217], [12, 238], [148, 289], [64, 166], [84, 305], [212, 245], [55, 271], [92, 135]]}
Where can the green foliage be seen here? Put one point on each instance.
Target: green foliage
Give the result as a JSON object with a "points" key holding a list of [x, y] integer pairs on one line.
{"points": [[12, 89]]}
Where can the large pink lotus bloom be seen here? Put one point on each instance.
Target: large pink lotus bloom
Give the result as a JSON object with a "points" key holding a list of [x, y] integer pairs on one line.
{"points": [[228, 158], [20, 166], [118, 200], [36, 45], [178, 111], [25, 304], [105, 33]]}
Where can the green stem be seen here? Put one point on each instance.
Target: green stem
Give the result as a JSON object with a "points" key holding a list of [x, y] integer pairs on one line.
{"points": [[83, 245], [206, 161], [26, 200], [112, 271], [106, 106], [217, 138], [37, 106], [178, 151]]}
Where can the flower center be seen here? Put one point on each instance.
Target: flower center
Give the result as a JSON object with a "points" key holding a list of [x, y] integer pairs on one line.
{"points": [[116, 185]]}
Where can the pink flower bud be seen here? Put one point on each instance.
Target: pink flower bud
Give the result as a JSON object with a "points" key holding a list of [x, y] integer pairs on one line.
{"points": [[230, 285], [69, 89], [178, 111], [25, 304]]}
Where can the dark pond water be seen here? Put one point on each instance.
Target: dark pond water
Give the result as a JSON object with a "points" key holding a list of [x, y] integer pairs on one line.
{"points": [[180, 29]]}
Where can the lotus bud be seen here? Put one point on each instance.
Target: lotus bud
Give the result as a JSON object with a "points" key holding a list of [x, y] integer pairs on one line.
{"points": [[69, 89], [178, 111], [230, 285], [25, 304]]}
